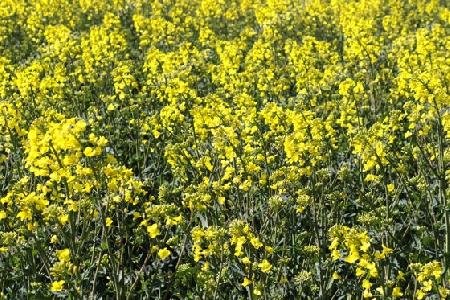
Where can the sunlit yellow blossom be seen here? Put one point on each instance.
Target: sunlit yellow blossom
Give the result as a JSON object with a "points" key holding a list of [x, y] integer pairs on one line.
{"points": [[352, 257], [379, 255], [437, 270], [400, 276], [336, 276], [265, 266], [246, 282], [366, 284], [334, 244], [108, 221], [178, 219], [390, 187], [256, 243], [64, 219], [54, 239], [380, 290], [365, 246], [427, 285], [335, 254], [386, 250], [420, 294], [206, 266], [57, 286], [25, 215], [396, 292], [372, 267], [246, 260], [367, 294], [269, 249], [153, 230], [360, 272], [32, 226], [443, 292], [88, 151], [173, 221], [63, 255], [163, 253]]}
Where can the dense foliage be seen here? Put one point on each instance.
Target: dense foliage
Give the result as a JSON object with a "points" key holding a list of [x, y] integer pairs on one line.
{"points": [[213, 149]]}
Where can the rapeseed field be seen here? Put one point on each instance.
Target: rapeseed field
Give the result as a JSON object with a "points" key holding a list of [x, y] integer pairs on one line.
{"points": [[224, 149]]}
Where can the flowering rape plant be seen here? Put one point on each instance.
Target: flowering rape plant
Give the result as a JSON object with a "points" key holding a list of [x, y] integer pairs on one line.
{"points": [[245, 149]]}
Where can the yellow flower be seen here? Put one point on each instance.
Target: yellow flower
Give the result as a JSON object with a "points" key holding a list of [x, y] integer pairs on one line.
{"points": [[108, 222], [246, 260], [400, 276], [57, 286], [173, 221], [372, 269], [255, 242], [379, 255], [443, 292], [365, 246], [265, 266], [336, 276], [370, 177], [352, 257], [334, 244], [360, 272], [246, 282], [269, 249], [32, 226], [163, 253], [366, 284], [380, 290], [153, 230], [420, 294], [102, 141], [283, 280], [396, 292], [437, 270], [88, 151], [335, 254], [390, 187], [63, 255], [386, 250], [25, 214], [367, 294], [206, 266], [427, 285], [64, 219]]}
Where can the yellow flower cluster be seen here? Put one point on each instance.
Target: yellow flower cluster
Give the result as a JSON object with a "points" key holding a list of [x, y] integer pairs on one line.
{"points": [[428, 276], [353, 246]]}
